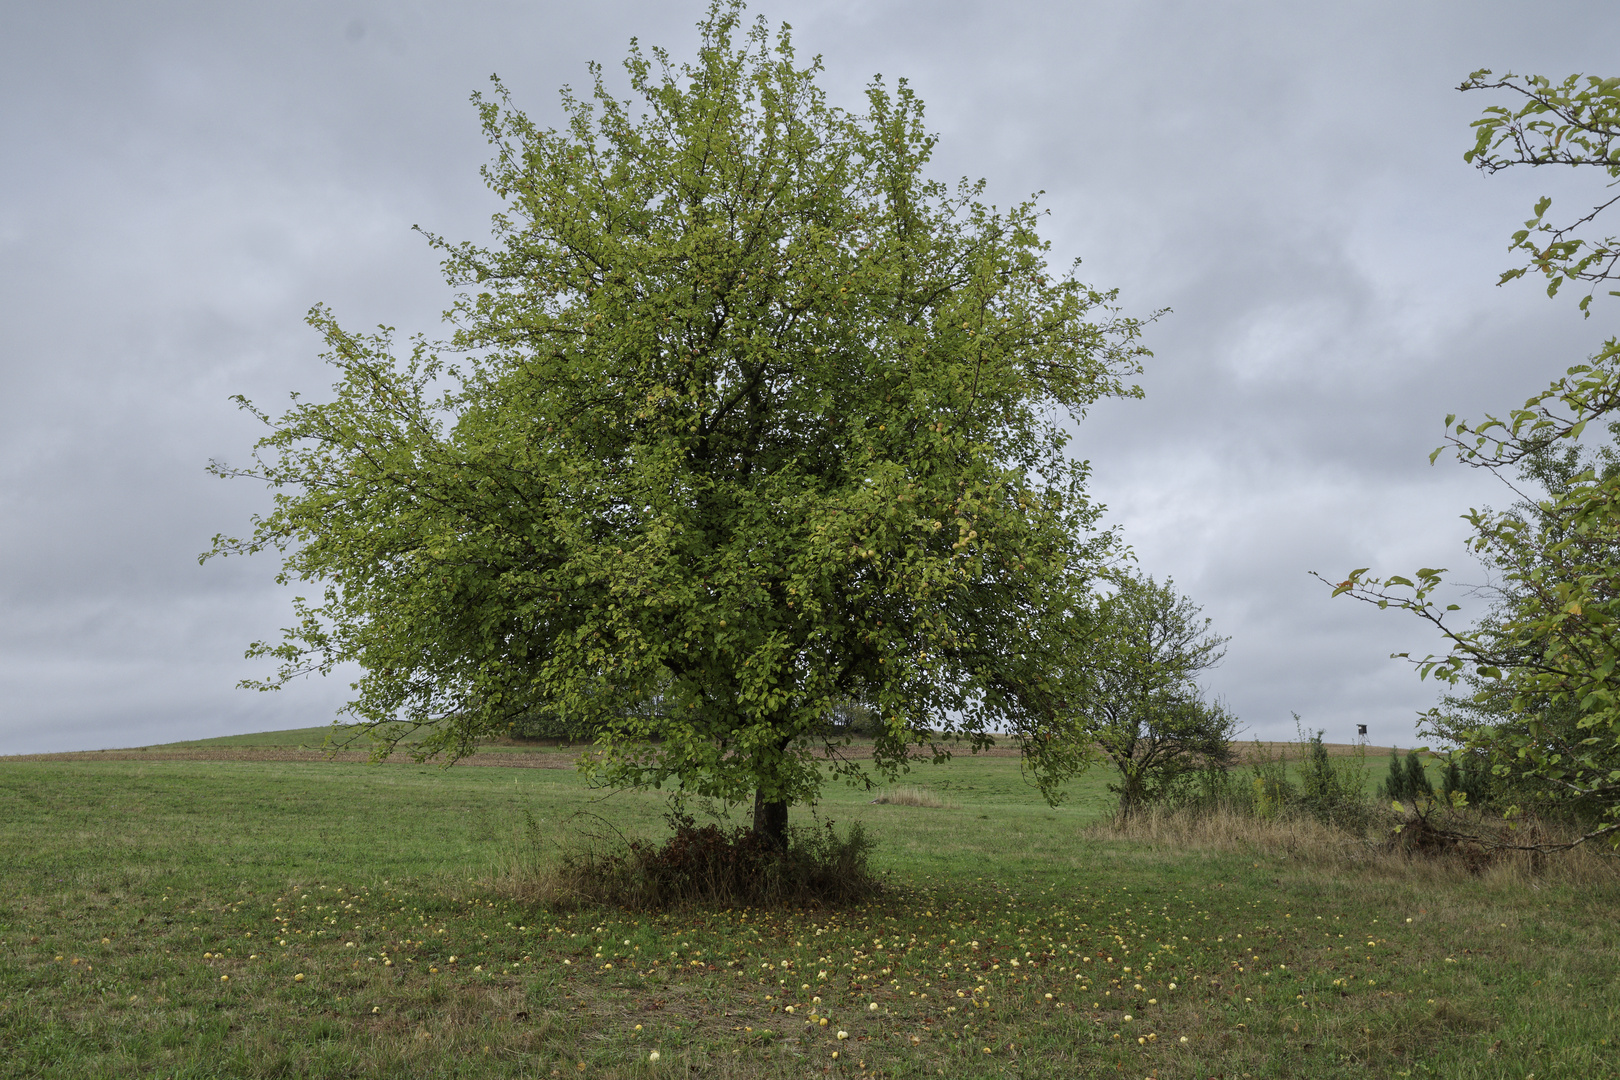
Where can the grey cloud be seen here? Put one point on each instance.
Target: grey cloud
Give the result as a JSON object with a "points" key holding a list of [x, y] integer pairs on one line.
{"points": [[183, 180]]}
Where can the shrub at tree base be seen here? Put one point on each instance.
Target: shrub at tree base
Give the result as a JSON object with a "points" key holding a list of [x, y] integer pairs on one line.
{"points": [[714, 866]]}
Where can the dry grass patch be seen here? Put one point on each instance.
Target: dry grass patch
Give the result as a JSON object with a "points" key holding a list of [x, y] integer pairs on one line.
{"points": [[1378, 850], [912, 796]]}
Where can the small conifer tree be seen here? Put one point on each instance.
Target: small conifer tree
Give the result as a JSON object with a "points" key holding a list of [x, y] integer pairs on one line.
{"points": [[1395, 782], [1476, 778], [1417, 779], [1451, 780]]}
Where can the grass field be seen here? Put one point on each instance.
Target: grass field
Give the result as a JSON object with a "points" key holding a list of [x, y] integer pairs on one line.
{"points": [[278, 918]]}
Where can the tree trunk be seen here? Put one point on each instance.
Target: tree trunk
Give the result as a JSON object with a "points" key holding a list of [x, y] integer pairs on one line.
{"points": [[770, 821], [1130, 794]]}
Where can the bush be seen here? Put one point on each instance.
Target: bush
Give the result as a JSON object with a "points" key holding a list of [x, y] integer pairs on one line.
{"points": [[715, 866]]}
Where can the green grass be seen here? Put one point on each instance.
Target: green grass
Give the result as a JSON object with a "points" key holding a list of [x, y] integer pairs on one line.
{"points": [[144, 904]]}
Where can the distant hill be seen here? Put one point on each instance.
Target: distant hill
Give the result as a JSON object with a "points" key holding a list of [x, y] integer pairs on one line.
{"points": [[311, 737]]}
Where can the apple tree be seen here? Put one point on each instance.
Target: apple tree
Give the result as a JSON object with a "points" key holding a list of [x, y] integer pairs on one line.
{"points": [[742, 418], [1146, 712]]}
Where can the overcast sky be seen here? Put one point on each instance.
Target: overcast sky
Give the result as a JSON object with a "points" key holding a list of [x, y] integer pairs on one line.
{"points": [[179, 182]]}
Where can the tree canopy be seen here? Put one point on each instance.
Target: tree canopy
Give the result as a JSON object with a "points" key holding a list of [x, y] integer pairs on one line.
{"points": [[743, 418], [1544, 664]]}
